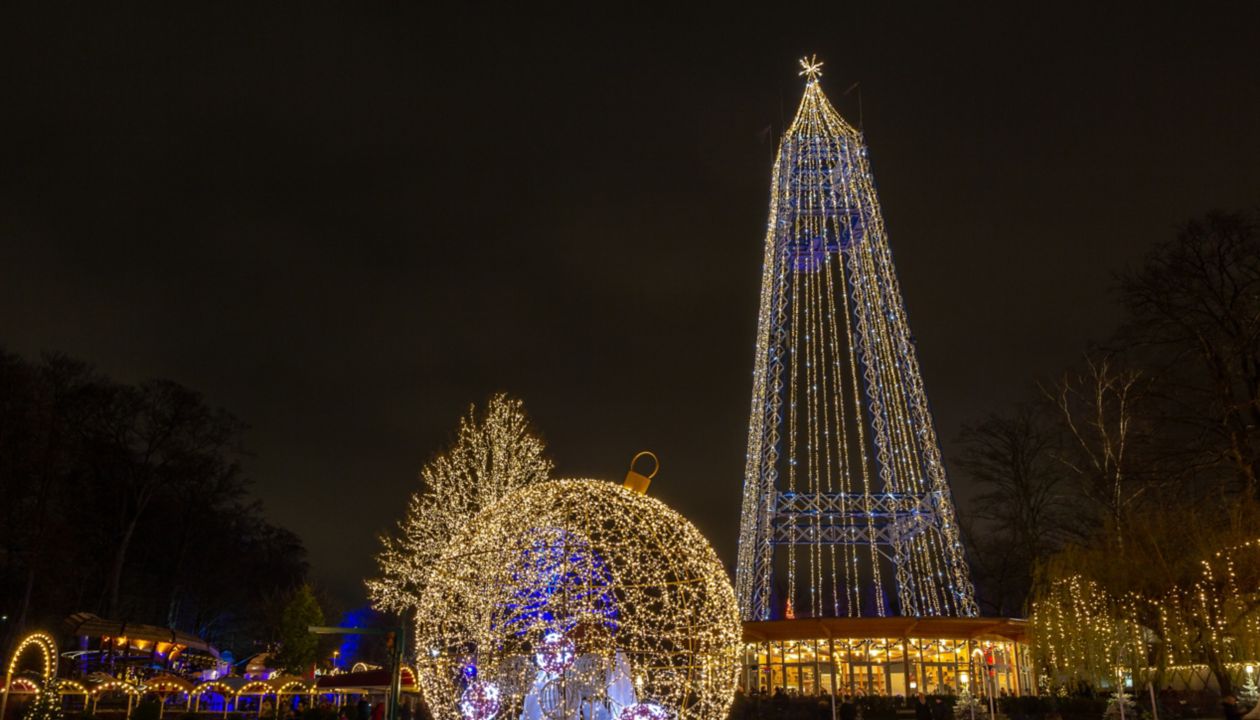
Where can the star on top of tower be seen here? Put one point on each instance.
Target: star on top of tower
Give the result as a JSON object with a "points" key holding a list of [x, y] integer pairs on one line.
{"points": [[811, 68]]}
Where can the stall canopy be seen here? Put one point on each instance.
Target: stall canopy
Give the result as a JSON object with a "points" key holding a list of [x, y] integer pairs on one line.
{"points": [[363, 681]]}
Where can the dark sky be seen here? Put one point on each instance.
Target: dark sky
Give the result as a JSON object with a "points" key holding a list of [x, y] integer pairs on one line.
{"points": [[347, 223]]}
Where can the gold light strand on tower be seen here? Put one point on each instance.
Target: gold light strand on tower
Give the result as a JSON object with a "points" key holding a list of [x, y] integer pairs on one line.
{"points": [[838, 409]]}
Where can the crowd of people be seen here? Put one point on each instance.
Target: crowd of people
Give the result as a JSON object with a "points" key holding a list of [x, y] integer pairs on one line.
{"points": [[364, 708], [784, 705]]}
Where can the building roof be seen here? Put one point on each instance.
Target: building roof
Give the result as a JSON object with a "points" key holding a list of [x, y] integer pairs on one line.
{"points": [[365, 680], [955, 628], [90, 625]]}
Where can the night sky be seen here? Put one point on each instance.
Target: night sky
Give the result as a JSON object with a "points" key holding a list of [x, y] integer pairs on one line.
{"points": [[347, 223]]}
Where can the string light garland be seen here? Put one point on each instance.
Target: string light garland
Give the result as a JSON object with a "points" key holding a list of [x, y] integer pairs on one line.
{"points": [[844, 470], [47, 647], [121, 686], [493, 454], [578, 598], [71, 687]]}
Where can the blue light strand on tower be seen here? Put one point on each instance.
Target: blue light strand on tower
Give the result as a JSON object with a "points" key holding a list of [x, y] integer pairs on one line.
{"points": [[844, 485]]}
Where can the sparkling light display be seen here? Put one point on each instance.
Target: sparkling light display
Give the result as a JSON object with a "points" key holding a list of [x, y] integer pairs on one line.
{"points": [[843, 470], [493, 455], [580, 598]]}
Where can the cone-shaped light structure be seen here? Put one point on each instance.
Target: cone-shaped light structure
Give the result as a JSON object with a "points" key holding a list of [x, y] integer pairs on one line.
{"points": [[846, 508]]}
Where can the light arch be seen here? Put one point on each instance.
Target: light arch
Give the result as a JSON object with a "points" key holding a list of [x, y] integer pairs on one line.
{"points": [[48, 648]]}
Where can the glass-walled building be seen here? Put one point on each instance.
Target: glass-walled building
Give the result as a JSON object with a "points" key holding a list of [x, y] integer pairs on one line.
{"points": [[887, 656]]}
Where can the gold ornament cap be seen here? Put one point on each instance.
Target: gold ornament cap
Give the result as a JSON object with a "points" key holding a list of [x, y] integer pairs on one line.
{"points": [[637, 481]]}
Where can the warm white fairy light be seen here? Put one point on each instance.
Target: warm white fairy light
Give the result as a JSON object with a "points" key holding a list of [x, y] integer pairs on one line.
{"points": [[571, 595], [843, 464], [494, 453]]}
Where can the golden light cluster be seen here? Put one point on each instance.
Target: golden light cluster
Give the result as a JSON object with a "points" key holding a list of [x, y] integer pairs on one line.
{"points": [[578, 599]]}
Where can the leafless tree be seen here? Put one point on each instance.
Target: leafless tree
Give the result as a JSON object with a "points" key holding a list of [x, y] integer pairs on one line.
{"points": [[1024, 510], [1194, 306]]}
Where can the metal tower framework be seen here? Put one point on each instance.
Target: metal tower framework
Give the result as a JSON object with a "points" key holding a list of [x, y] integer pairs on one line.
{"points": [[844, 485]]}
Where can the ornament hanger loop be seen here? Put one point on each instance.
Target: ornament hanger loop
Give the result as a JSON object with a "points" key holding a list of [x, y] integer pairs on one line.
{"points": [[656, 464]]}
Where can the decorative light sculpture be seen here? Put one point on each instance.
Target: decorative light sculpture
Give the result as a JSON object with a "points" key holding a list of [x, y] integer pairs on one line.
{"points": [[479, 701], [845, 498], [643, 711], [579, 599], [1250, 693], [556, 653]]}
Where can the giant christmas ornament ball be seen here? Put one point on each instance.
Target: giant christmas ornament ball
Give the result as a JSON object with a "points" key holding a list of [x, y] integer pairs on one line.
{"points": [[580, 599]]}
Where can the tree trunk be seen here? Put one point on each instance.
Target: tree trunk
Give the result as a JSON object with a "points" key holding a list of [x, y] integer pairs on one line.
{"points": [[32, 558], [1219, 671], [115, 574], [177, 571], [172, 608]]}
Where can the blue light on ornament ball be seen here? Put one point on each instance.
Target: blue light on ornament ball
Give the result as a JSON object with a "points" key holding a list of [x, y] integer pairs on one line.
{"points": [[555, 653], [643, 711], [480, 701]]}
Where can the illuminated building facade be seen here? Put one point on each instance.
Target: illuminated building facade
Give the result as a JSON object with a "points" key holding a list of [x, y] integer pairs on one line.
{"points": [[887, 656]]}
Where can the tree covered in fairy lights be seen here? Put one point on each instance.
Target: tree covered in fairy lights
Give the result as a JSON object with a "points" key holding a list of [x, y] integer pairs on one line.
{"points": [[46, 705], [495, 452], [1179, 587]]}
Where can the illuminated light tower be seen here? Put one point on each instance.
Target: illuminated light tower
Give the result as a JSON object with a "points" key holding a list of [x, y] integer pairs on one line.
{"points": [[846, 506]]}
